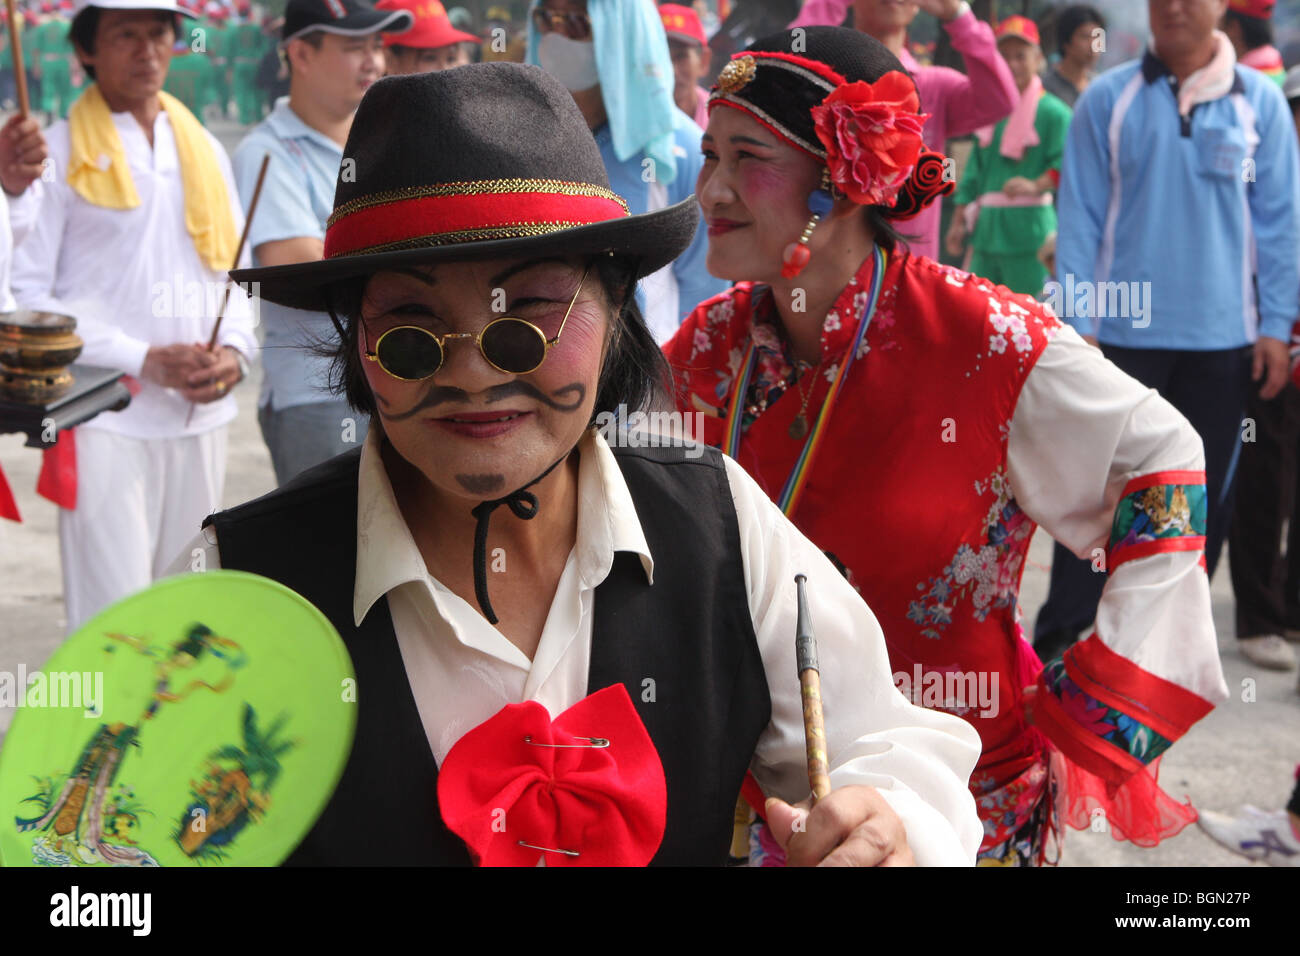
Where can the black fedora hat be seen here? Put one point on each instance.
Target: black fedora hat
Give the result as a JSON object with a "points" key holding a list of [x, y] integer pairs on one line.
{"points": [[484, 161]]}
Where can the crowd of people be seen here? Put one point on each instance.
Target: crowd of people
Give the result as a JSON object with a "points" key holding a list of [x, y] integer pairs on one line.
{"points": [[612, 221]]}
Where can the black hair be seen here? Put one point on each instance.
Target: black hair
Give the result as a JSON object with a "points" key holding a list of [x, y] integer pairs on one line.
{"points": [[84, 26], [1071, 18], [882, 229], [1255, 32], [635, 374]]}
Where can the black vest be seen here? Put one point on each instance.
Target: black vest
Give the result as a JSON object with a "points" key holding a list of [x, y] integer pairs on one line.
{"points": [[690, 633]]}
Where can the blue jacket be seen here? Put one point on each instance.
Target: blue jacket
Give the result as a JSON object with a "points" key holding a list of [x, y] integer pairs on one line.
{"points": [[1179, 233]]}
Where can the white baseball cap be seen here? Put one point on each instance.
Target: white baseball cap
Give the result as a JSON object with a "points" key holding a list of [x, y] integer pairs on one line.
{"points": [[166, 6]]}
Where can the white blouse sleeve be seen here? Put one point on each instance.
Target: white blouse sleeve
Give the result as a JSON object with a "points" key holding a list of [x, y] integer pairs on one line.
{"points": [[1092, 452], [919, 760]]}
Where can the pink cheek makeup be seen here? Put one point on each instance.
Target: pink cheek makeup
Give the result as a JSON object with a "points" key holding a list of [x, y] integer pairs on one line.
{"points": [[577, 354], [763, 185]]}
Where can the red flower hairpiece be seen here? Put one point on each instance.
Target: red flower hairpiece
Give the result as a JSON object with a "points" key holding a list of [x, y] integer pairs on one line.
{"points": [[872, 135]]}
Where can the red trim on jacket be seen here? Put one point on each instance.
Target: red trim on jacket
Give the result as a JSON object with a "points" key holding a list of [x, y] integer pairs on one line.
{"points": [[1162, 705]]}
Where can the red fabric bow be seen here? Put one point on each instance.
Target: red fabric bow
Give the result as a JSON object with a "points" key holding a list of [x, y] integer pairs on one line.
{"points": [[609, 804], [872, 135]]}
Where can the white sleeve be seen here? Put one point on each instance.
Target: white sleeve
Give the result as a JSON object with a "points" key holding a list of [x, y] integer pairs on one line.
{"points": [[23, 210], [920, 760], [1082, 433], [35, 274]]}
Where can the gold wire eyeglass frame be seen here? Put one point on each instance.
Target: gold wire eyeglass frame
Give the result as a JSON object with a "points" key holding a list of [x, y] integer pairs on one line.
{"points": [[547, 344]]}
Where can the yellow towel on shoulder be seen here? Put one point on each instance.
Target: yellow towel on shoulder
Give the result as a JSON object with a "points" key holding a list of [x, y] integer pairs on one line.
{"points": [[98, 171]]}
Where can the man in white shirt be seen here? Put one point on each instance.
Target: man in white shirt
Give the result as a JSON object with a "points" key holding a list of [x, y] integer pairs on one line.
{"points": [[138, 224]]}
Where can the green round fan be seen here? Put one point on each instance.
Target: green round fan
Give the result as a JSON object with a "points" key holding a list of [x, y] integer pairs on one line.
{"points": [[205, 720]]}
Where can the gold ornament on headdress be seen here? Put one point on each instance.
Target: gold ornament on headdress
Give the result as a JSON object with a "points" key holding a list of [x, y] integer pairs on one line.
{"points": [[737, 74]]}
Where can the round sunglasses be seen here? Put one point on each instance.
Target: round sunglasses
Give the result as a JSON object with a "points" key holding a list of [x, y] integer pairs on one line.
{"points": [[509, 344]]}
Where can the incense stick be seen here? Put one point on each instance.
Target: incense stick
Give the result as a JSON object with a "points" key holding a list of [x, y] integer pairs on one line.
{"points": [[239, 252], [16, 50], [810, 686]]}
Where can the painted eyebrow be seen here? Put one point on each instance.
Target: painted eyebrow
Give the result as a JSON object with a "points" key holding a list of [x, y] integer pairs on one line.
{"points": [[417, 274], [751, 141], [748, 140], [506, 273]]}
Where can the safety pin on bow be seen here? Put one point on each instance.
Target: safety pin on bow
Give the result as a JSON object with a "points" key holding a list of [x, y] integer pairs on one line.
{"points": [[593, 742], [547, 849]]}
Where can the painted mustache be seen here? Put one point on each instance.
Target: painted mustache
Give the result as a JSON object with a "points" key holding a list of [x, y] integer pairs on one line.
{"points": [[440, 394]]}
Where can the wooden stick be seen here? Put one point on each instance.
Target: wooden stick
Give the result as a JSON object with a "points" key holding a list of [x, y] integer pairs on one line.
{"points": [[239, 252], [810, 686], [16, 49]]}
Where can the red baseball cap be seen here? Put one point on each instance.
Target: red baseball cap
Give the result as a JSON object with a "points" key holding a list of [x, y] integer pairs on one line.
{"points": [[1022, 28], [1260, 9], [432, 28], [682, 24]]}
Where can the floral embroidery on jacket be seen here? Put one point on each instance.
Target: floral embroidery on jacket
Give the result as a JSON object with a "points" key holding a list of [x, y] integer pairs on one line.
{"points": [[774, 370], [987, 576]]}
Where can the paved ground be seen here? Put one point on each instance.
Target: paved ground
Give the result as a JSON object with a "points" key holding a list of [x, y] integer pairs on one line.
{"points": [[1243, 751]]}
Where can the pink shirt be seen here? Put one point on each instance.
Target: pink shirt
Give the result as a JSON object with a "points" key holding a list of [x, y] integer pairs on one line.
{"points": [[823, 13], [958, 103]]}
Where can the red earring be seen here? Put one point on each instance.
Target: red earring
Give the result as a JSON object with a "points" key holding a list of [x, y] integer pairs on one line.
{"points": [[796, 255]]}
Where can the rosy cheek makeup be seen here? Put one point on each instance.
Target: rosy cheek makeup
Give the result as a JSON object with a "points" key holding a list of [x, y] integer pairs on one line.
{"points": [[576, 357], [762, 183]]}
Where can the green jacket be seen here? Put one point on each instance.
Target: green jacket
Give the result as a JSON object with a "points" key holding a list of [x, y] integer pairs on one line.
{"points": [[1013, 231]]}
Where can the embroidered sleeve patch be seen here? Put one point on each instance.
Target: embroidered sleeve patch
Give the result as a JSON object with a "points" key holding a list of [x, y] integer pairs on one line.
{"points": [[1160, 512], [1109, 723], [1107, 714]]}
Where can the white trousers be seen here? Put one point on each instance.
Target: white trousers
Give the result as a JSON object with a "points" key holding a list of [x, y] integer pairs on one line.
{"points": [[139, 501]]}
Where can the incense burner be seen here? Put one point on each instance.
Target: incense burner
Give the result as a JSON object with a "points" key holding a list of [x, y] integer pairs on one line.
{"points": [[36, 349]]}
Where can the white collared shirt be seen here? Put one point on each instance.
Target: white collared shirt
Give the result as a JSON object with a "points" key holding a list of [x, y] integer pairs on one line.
{"points": [[132, 277], [462, 670]]}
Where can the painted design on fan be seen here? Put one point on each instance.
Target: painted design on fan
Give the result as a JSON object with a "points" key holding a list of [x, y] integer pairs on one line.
{"points": [[234, 791], [82, 813]]}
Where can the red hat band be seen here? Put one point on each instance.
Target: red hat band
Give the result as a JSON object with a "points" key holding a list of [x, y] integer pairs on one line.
{"points": [[451, 213]]}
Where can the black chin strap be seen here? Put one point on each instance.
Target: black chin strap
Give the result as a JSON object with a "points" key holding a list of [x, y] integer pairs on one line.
{"points": [[524, 505]]}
